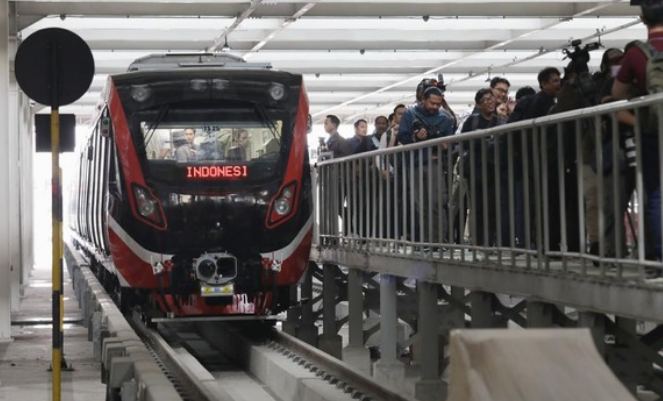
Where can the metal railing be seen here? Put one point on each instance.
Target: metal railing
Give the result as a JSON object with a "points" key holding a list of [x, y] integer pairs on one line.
{"points": [[575, 193]]}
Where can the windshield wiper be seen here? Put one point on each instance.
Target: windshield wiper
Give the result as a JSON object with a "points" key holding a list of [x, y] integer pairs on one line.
{"points": [[151, 129], [266, 120]]}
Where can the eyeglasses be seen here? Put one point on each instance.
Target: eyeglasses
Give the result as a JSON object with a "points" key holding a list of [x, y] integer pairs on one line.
{"points": [[488, 99], [501, 90]]}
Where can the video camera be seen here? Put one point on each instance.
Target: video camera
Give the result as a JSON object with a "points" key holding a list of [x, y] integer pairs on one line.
{"points": [[579, 56]]}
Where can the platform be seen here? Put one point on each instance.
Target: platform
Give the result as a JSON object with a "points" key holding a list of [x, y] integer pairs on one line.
{"points": [[25, 361]]}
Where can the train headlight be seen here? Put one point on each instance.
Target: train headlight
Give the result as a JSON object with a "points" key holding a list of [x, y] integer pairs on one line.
{"points": [[283, 205], [147, 207], [277, 91], [140, 93]]}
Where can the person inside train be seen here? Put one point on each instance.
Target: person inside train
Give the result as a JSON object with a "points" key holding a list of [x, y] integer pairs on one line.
{"points": [[238, 152], [186, 150]]}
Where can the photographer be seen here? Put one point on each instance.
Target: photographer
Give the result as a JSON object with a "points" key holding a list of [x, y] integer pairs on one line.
{"points": [[420, 123]]}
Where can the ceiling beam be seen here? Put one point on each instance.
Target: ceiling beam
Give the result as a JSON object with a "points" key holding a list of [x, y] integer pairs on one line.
{"points": [[222, 40], [457, 61], [458, 83], [286, 22], [360, 9]]}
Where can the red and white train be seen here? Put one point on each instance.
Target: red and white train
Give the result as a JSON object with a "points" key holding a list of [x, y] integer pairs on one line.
{"points": [[193, 192]]}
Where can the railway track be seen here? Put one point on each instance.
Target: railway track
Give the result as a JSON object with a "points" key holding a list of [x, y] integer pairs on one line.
{"points": [[226, 361]]}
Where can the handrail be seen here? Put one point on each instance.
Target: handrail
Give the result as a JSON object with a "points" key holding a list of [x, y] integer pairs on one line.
{"points": [[566, 116]]}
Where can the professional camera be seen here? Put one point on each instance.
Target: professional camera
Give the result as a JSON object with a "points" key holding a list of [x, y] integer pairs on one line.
{"points": [[579, 56], [417, 125], [578, 86]]}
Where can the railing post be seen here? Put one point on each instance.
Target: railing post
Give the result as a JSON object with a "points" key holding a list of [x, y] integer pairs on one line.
{"points": [[356, 354]]}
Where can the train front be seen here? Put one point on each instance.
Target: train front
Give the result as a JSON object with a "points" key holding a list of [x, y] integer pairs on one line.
{"points": [[213, 212]]}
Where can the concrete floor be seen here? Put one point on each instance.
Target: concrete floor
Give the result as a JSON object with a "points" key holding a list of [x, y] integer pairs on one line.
{"points": [[25, 361]]}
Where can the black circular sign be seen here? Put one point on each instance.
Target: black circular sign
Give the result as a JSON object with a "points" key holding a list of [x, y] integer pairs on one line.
{"points": [[54, 67]]}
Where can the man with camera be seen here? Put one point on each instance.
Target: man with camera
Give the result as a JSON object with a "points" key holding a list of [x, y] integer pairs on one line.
{"points": [[634, 78], [425, 121]]}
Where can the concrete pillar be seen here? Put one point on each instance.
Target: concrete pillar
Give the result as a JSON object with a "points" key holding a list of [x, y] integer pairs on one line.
{"points": [[429, 387], [356, 354], [389, 370], [25, 189], [14, 187], [26, 143], [539, 314], [5, 254], [329, 341]]}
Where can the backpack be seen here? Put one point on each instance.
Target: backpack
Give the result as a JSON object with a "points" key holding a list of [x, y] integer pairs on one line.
{"points": [[654, 82]]}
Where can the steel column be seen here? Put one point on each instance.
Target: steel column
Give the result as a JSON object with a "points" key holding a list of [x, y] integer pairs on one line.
{"points": [[329, 341], [482, 309], [308, 331], [356, 354], [596, 323], [629, 326], [388, 318], [389, 370], [539, 314], [429, 387]]}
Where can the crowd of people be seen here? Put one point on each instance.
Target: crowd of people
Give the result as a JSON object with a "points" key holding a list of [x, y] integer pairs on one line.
{"points": [[623, 74]]}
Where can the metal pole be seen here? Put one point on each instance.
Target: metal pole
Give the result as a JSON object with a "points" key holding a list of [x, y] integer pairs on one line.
{"points": [[56, 228], [57, 258]]}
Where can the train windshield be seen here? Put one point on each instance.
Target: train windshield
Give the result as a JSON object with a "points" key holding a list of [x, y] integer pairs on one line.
{"points": [[224, 142]]}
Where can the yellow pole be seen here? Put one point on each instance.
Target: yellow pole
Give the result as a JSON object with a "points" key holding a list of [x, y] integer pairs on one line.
{"points": [[56, 249]]}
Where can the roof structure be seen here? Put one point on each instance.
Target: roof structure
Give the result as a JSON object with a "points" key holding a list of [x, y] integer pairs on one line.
{"points": [[359, 58]]}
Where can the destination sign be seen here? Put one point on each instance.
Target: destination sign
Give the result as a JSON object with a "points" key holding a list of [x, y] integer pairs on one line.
{"points": [[218, 172]]}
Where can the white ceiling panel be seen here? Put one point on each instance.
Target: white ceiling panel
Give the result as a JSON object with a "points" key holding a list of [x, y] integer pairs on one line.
{"points": [[359, 58]]}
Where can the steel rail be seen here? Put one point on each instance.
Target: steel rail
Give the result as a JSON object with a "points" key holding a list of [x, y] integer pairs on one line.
{"points": [[338, 369], [186, 380]]}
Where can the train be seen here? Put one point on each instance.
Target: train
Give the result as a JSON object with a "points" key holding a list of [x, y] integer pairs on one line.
{"points": [[192, 193]]}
